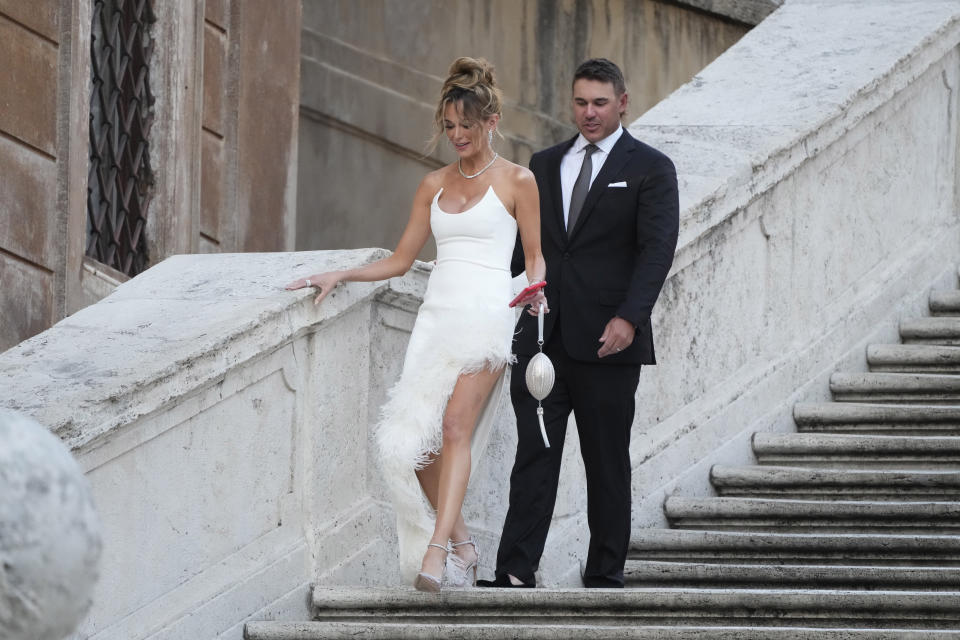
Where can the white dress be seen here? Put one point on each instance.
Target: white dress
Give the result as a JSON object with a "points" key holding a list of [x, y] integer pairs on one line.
{"points": [[464, 325]]}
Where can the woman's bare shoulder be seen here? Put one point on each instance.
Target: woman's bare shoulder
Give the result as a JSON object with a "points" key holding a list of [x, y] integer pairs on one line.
{"points": [[518, 174], [436, 178]]}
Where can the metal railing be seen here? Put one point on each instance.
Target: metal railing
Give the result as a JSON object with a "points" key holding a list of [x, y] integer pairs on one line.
{"points": [[120, 181]]}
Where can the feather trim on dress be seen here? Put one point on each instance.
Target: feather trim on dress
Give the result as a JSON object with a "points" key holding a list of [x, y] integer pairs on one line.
{"points": [[410, 430]]}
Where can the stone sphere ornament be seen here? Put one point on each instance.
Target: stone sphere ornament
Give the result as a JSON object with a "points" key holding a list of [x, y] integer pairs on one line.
{"points": [[49, 534]]}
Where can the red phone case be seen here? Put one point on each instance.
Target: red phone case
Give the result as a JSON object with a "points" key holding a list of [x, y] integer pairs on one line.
{"points": [[536, 286]]}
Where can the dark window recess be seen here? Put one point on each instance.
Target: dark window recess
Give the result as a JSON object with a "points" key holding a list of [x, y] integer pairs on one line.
{"points": [[120, 182]]}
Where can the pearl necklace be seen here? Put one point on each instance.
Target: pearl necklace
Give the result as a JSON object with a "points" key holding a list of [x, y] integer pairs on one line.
{"points": [[489, 164]]}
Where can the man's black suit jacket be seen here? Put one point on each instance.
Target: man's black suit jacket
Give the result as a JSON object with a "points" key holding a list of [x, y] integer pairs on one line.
{"points": [[617, 257]]}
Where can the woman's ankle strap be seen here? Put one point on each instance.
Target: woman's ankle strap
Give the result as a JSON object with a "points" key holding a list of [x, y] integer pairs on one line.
{"points": [[454, 545]]}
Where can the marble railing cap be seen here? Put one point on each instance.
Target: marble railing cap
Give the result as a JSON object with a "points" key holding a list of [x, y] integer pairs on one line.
{"points": [[793, 85], [171, 329]]}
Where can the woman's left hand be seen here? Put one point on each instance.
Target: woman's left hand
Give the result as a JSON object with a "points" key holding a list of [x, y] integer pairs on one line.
{"points": [[324, 283], [535, 302]]}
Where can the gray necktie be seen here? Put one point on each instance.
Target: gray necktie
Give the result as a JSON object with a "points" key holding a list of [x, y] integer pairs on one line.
{"points": [[580, 187]]}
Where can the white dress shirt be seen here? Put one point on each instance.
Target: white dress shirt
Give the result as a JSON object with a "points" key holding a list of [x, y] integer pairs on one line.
{"points": [[573, 160]]}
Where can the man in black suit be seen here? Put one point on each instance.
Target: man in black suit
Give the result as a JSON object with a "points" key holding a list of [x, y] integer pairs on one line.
{"points": [[609, 218]]}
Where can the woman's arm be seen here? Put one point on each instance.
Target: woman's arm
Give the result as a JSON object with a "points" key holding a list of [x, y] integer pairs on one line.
{"points": [[399, 262], [528, 221]]}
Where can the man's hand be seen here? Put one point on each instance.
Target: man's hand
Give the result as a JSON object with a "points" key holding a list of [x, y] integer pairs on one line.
{"points": [[617, 336]]}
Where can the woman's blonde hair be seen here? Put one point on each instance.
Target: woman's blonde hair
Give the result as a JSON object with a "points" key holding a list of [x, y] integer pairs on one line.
{"points": [[471, 86]]}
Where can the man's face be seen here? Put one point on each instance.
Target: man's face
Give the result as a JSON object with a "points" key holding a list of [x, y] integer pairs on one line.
{"points": [[597, 108]]}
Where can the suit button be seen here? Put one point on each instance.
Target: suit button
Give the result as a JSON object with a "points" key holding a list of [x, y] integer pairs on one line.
{"points": [[566, 255]]}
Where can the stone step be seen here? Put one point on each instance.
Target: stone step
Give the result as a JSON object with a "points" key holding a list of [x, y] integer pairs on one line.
{"points": [[934, 330], [857, 451], [395, 631], [914, 358], [849, 417], [895, 387], [643, 607], [798, 483], [766, 514], [492, 631], [945, 303], [795, 548], [652, 573]]}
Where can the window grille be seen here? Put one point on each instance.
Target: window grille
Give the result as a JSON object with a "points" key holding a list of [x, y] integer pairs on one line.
{"points": [[120, 181]]}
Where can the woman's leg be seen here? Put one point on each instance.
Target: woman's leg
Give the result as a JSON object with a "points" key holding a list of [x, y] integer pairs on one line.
{"points": [[459, 420], [429, 478]]}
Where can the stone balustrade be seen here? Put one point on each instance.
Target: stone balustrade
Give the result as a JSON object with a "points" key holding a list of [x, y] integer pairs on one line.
{"points": [[224, 425], [819, 196]]}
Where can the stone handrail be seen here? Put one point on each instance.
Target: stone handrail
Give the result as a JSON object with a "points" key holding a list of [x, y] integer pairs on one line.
{"points": [[224, 425], [748, 11], [221, 422], [178, 328], [818, 176]]}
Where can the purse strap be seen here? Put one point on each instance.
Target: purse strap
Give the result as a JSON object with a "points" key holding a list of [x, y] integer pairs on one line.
{"points": [[543, 428], [540, 328]]}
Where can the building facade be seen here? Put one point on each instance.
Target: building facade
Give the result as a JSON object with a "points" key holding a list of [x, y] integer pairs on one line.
{"points": [[213, 88], [371, 73]]}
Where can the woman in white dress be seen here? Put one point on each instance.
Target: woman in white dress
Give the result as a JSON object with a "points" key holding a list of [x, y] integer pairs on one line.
{"points": [[437, 418]]}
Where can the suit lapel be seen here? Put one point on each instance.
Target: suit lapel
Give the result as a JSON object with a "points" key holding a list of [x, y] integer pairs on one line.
{"points": [[619, 155], [556, 194]]}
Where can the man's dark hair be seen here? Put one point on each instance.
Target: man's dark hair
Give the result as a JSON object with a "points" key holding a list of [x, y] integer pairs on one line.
{"points": [[603, 70]]}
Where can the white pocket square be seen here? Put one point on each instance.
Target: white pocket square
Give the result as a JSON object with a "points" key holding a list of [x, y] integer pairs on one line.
{"points": [[617, 184]]}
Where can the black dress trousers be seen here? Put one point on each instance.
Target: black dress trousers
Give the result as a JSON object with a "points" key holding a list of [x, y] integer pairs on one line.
{"points": [[601, 396]]}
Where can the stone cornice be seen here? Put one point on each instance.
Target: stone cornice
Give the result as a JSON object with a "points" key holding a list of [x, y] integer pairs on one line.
{"points": [[747, 11], [178, 327], [789, 89]]}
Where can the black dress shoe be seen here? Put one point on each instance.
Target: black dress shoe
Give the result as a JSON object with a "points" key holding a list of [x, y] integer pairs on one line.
{"points": [[602, 583], [504, 582]]}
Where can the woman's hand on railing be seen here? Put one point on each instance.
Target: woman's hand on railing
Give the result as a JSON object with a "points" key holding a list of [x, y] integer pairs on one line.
{"points": [[323, 282]]}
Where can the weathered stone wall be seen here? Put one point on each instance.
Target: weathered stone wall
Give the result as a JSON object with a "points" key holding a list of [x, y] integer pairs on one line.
{"points": [[819, 175], [232, 459], [219, 126], [223, 180], [371, 73], [36, 100], [748, 11], [248, 170]]}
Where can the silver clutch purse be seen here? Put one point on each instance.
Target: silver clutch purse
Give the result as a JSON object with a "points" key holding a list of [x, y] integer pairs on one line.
{"points": [[540, 377]]}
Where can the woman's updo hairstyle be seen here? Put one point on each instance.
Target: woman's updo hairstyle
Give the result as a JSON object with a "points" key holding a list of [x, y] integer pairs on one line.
{"points": [[470, 85]]}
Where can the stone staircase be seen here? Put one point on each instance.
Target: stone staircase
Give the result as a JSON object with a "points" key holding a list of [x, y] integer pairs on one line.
{"points": [[847, 528]]}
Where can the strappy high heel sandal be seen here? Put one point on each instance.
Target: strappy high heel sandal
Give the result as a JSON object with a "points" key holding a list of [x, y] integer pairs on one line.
{"points": [[460, 574], [427, 582]]}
